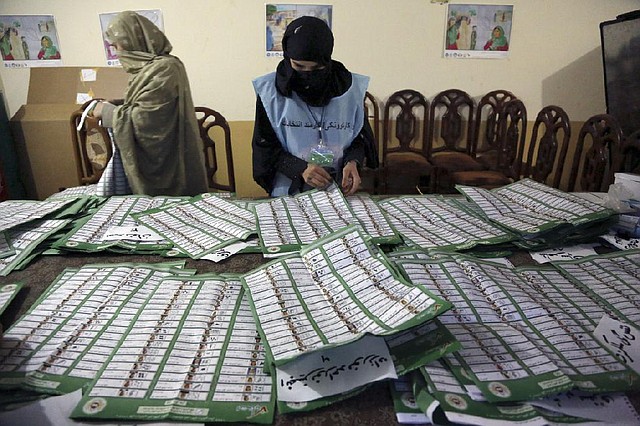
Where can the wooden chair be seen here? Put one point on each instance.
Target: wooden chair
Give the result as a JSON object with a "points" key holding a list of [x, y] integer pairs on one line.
{"points": [[486, 140], [450, 136], [629, 158], [596, 154], [91, 148], [372, 112], [548, 146], [511, 136], [405, 152], [371, 177], [213, 125]]}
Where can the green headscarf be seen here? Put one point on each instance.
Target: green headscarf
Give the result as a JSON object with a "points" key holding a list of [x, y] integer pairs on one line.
{"points": [[140, 39], [499, 41], [155, 128], [49, 51]]}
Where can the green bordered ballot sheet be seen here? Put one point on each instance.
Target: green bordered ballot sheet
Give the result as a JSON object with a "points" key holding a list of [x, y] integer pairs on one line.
{"points": [[202, 225], [7, 293], [442, 394], [193, 354], [529, 208], [285, 224], [6, 249], [332, 293], [526, 332], [24, 240], [17, 212], [439, 223], [105, 228], [65, 337]]}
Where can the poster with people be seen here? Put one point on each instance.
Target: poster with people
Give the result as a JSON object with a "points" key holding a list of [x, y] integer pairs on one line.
{"points": [[154, 16], [29, 41], [478, 31], [278, 17]]}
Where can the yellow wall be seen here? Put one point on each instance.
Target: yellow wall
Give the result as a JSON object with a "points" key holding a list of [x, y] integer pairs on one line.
{"points": [[554, 59]]}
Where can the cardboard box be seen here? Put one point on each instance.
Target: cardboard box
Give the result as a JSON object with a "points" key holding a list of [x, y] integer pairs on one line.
{"points": [[42, 130]]}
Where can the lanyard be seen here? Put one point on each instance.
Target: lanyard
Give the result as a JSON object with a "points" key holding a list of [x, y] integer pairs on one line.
{"points": [[318, 122]]}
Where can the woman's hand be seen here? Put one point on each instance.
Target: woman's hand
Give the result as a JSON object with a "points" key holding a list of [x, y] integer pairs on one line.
{"points": [[316, 176], [350, 178], [97, 110]]}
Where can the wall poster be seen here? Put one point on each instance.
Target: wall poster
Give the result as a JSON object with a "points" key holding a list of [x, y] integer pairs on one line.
{"points": [[278, 17], [478, 31], [29, 41]]}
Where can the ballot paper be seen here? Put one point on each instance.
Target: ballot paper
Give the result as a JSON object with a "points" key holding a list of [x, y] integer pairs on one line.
{"points": [[193, 353], [373, 219], [7, 293], [202, 225], [56, 410], [25, 238], [66, 336], [455, 404], [334, 292], [528, 332], [96, 232], [531, 208], [18, 212], [148, 342], [404, 403], [6, 249], [599, 407], [74, 192], [285, 224], [435, 223]]}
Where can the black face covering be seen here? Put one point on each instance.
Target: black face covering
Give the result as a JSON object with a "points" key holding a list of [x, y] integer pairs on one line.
{"points": [[310, 39], [311, 85]]}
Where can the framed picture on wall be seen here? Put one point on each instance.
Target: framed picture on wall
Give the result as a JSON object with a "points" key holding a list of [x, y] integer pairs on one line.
{"points": [[278, 17], [29, 41], [478, 31], [154, 16]]}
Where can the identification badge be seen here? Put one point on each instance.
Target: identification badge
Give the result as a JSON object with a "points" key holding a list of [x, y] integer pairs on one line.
{"points": [[321, 155]]}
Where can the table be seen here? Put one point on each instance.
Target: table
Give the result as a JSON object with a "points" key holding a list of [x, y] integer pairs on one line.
{"points": [[373, 406]]}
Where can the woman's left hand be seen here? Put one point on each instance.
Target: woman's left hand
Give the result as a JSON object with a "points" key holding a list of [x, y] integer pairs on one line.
{"points": [[97, 110], [350, 178]]}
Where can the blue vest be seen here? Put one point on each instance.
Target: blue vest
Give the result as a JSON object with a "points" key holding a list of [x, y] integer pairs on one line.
{"points": [[299, 126]]}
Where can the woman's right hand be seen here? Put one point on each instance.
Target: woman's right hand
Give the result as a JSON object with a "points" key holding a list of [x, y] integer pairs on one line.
{"points": [[316, 176]]}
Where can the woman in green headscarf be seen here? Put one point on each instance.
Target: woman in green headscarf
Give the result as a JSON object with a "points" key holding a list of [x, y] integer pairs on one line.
{"points": [[48, 51], [155, 127], [498, 40]]}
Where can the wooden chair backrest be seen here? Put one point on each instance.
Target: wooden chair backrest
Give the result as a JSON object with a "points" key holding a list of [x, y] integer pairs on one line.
{"points": [[596, 151], [451, 111], [488, 112], [413, 112], [512, 129], [89, 143], [208, 121], [548, 146]]}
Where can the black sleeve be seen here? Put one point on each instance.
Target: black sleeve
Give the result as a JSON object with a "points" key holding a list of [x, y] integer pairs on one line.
{"points": [[270, 157]]}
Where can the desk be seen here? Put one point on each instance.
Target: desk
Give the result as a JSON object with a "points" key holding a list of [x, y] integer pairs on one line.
{"points": [[374, 406]]}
